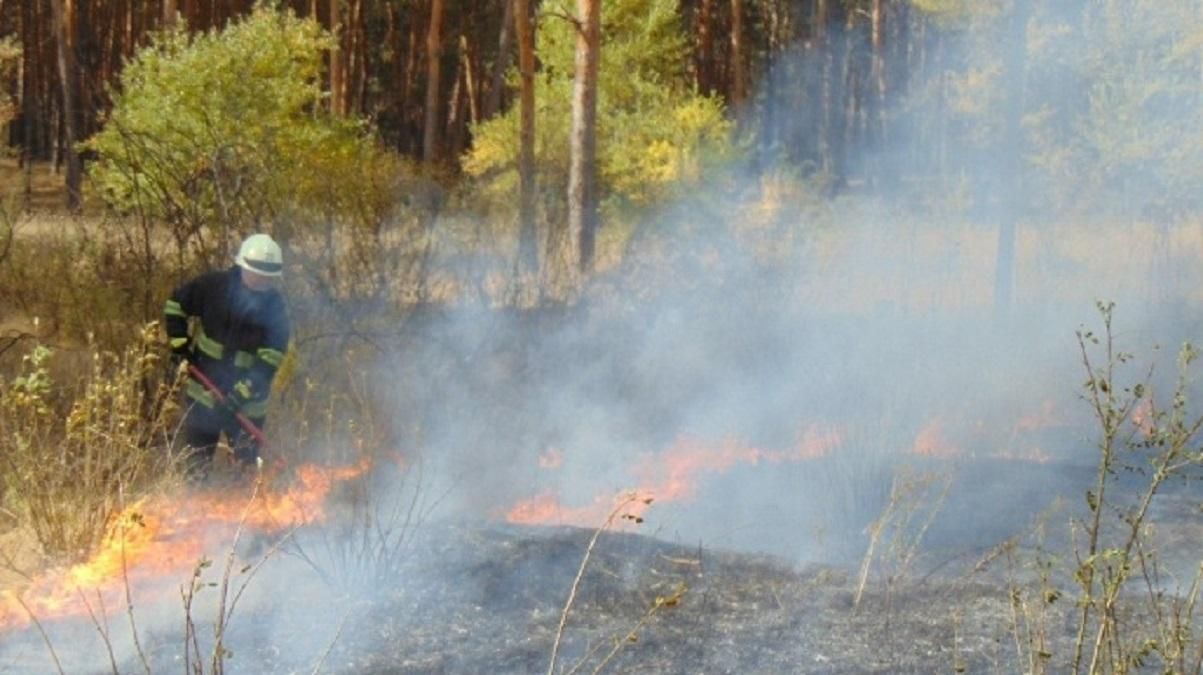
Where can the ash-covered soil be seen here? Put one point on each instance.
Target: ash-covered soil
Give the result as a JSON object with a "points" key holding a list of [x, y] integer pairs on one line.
{"points": [[488, 599], [478, 597]]}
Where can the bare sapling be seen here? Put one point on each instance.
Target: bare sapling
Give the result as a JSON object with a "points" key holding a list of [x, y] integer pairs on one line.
{"points": [[913, 497], [1138, 432], [619, 512]]}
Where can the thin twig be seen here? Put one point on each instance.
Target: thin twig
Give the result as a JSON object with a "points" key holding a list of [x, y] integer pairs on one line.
{"points": [[576, 582], [218, 657], [253, 570], [129, 604], [633, 634], [875, 533], [45, 638], [330, 647], [104, 631]]}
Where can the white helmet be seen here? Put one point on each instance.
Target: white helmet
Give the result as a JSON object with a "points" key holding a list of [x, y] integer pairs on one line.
{"points": [[260, 254]]}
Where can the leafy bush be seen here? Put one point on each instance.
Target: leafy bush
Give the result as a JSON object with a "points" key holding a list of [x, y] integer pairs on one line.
{"points": [[1114, 598], [221, 132]]}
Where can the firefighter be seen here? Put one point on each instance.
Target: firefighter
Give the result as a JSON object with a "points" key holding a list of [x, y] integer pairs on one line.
{"points": [[238, 339]]}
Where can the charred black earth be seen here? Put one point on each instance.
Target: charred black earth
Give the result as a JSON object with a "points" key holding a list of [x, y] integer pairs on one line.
{"points": [[471, 596], [488, 598]]}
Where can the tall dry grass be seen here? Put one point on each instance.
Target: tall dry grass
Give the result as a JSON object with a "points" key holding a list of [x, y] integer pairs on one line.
{"points": [[74, 451]]}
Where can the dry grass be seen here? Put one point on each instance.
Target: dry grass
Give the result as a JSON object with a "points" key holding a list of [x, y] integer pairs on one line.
{"points": [[42, 190], [75, 451]]}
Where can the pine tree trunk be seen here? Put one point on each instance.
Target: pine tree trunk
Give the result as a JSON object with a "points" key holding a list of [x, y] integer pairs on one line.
{"points": [[455, 113], [582, 170], [352, 82], [469, 80], [502, 62], [524, 28], [68, 80], [336, 58], [878, 70], [739, 91], [840, 101], [1012, 153], [823, 52], [434, 48], [705, 67], [29, 104]]}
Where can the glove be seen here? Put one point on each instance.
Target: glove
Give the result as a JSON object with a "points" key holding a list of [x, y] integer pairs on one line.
{"points": [[238, 396], [181, 352]]}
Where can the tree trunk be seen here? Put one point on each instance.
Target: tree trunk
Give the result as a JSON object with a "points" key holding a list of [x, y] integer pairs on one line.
{"points": [[336, 58], [455, 105], [1012, 153], [524, 29], [64, 35], [878, 70], [705, 29], [739, 91], [823, 53], [29, 104], [434, 42], [412, 115], [169, 13], [469, 80], [845, 97], [502, 62], [354, 59], [582, 169]]}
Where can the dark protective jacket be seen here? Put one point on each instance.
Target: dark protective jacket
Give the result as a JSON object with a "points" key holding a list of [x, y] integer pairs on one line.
{"points": [[240, 336]]}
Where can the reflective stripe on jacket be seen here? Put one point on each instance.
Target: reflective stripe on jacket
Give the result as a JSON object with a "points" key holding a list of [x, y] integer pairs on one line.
{"points": [[239, 335]]}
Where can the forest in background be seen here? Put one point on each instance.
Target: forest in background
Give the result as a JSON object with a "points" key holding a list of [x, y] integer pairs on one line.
{"points": [[1032, 110], [539, 243], [416, 153]]}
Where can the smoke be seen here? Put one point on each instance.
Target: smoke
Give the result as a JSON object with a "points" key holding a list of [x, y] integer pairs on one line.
{"points": [[762, 310], [764, 304]]}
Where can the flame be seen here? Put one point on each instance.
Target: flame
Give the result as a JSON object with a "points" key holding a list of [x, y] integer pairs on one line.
{"points": [[675, 474], [158, 540], [546, 509], [1044, 418], [672, 475], [1145, 418], [932, 442]]}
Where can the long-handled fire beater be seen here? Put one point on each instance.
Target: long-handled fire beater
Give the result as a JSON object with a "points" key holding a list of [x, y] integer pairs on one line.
{"points": [[246, 424]]}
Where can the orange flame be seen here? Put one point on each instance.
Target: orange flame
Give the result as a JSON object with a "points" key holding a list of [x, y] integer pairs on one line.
{"points": [[162, 538], [1145, 418], [674, 474], [932, 442], [670, 476], [1042, 419]]}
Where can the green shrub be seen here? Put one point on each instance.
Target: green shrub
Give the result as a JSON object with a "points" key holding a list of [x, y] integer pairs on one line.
{"points": [[222, 132]]}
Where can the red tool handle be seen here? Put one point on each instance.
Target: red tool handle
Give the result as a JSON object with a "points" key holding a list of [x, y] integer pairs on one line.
{"points": [[247, 425]]}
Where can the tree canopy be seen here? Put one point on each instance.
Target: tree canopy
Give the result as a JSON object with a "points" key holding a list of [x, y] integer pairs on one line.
{"points": [[228, 127], [654, 129]]}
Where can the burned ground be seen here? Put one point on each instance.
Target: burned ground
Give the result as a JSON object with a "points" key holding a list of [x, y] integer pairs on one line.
{"points": [[473, 597], [498, 606], [487, 598]]}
